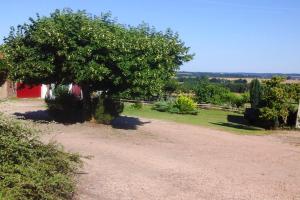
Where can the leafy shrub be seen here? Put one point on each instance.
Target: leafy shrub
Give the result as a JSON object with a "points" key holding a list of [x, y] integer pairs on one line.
{"points": [[292, 117], [181, 105], [255, 93], [30, 169], [162, 106], [185, 105], [212, 93], [253, 116], [236, 100], [3, 69], [106, 109], [65, 106], [171, 86], [174, 110], [277, 102], [137, 105]]}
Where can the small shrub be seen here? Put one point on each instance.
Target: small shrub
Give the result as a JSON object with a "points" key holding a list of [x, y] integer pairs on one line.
{"points": [[185, 105], [211, 93], [252, 115], [137, 105], [236, 100], [292, 117], [106, 109], [174, 110], [162, 106], [255, 93], [30, 169], [65, 106], [181, 105]]}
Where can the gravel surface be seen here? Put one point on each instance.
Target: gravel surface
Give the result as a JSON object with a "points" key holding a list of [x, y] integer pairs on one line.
{"points": [[153, 159]]}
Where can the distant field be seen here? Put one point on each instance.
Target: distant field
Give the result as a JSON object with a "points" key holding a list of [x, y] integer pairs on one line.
{"points": [[217, 119], [240, 75], [250, 79]]}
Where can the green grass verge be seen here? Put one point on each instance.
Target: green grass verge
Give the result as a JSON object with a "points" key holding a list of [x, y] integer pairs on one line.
{"points": [[30, 169], [217, 119]]}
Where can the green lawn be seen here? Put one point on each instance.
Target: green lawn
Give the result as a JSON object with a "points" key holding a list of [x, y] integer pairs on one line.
{"points": [[218, 119]]}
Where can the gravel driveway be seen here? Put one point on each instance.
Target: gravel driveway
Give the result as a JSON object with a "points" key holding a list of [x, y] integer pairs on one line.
{"points": [[152, 159]]}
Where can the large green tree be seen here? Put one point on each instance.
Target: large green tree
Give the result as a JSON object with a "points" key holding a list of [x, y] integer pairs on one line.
{"points": [[3, 68], [95, 52], [278, 100]]}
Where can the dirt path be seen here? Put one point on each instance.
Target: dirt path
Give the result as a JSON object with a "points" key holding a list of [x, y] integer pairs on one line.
{"points": [[151, 159]]}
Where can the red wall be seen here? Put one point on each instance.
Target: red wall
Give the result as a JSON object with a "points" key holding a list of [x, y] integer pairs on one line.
{"points": [[25, 91]]}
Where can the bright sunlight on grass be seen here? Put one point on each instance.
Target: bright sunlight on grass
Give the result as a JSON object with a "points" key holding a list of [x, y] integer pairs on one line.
{"points": [[218, 119]]}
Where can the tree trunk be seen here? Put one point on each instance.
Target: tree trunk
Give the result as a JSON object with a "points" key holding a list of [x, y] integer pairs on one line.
{"points": [[298, 117], [87, 102]]}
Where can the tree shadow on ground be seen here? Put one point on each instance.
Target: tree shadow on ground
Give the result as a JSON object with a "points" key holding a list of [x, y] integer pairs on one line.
{"points": [[238, 122], [127, 123], [40, 116], [237, 126], [43, 117]]}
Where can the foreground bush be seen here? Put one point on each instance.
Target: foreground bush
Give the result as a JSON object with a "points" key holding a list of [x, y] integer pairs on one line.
{"points": [[181, 105], [31, 170]]}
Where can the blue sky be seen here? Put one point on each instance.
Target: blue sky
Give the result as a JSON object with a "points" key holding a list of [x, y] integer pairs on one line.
{"points": [[225, 35]]}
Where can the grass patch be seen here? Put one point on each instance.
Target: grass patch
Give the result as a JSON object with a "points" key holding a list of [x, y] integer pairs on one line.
{"points": [[218, 119], [30, 169]]}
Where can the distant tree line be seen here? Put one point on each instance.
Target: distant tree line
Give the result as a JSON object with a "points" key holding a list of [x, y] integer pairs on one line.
{"points": [[214, 91], [235, 75], [237, 86]]}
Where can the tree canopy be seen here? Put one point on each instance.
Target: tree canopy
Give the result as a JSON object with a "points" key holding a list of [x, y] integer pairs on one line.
{"points": [[3, 70], [95, 52]]}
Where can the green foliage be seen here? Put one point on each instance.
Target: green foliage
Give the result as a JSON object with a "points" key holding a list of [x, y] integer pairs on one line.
{"points": [[255, 93], [137, 105], [237, 100], [293, 91], [162, 106], [94, 52], [181, 105], [277, 104], [185, 105], [106, 109], [236, 86], [212, 93], [252, 115], [65, 106], [31, 170], [276, 101], [3, 68], [171, 86]]}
